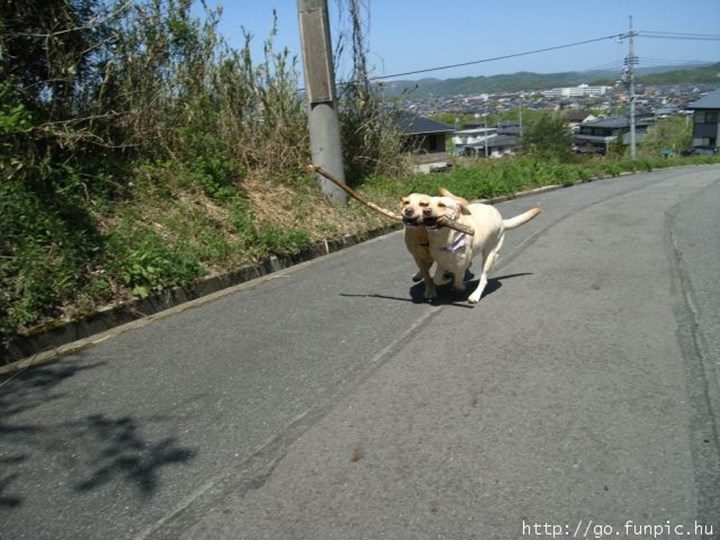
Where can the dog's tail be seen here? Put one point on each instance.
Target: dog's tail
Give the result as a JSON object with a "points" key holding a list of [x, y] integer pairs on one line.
{"points": [[523, 218]]}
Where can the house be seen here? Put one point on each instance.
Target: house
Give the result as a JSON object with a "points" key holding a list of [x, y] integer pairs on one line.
{"points": [[425, 136], [666, 111], [508, 127], [597, 136], [496, 146], [472, 136], [426, 140], [578, 117], [491, 141], [706, 119]]}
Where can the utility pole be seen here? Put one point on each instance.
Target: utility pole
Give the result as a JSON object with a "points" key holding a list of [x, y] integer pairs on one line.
{"points": [[630, 62], [325, 145], [486, 130], [520, 114]]}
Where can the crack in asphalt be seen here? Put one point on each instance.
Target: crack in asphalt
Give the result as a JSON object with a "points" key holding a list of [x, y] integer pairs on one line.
{"points": [[702, 377]]}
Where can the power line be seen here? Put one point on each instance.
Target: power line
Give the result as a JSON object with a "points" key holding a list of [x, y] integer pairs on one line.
{"points": [[683, 38], [495, 58], [649, 33], [646, 34]]}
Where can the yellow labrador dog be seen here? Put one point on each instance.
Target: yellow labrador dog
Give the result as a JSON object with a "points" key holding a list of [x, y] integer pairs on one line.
{"points": [[413, 209], [416, 238], [454, 251]]}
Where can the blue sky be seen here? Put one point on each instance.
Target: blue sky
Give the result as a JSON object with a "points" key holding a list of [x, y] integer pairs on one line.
{"points": [[405, 36]]}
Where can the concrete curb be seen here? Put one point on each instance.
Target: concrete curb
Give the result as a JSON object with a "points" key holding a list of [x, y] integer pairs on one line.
{"points": [[26, 351]]}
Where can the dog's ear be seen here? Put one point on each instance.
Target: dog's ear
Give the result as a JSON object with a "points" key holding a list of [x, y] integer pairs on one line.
{"points": [[461, 202], [449, 203]]}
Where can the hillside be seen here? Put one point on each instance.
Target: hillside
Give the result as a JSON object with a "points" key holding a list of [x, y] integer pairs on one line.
{"points": [[516, 82], [697, 75]]}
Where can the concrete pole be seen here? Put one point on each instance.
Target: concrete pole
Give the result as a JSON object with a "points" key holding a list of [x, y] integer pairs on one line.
{"points": [[325, 142], [632, 61]]}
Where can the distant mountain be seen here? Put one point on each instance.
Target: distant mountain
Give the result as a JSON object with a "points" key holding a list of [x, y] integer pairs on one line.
{"points": [[696, 75], [432, 87]]}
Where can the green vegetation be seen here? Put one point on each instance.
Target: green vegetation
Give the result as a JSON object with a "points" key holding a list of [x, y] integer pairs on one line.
{"points": [[138, 151], [697, 75], [483, 179], [672, 134], [548, 137]]}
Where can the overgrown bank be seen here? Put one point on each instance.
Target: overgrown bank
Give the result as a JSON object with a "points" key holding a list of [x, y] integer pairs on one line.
{"points": [[138, 151]]}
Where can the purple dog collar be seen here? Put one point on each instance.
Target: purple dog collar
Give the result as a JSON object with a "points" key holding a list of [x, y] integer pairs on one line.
{"points": [[459, 243]]}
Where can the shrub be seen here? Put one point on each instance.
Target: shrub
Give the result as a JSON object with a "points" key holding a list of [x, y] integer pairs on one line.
{"points": [[143, 262], [548, 137]]}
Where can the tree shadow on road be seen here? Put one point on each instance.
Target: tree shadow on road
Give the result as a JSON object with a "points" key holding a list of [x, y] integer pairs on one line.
{"points": [[117, 448], [92, 450]]}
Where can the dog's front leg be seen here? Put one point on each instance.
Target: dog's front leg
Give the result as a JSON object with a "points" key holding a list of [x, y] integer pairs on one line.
{"points": [[459, 279], [424, 265], [474, 297], [486, 266], [430, 289]]}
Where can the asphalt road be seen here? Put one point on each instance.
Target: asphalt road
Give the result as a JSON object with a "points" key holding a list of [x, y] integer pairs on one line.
{"points": [[579, 398]]}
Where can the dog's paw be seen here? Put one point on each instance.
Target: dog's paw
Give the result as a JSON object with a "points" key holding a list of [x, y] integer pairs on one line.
{"points": [[430, 294], [474, 298], [417, 277]]}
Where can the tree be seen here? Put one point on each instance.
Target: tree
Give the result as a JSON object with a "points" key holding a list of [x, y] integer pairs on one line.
{"points": [[46, 48], [548, 137], [672, 133], [371, 139]]}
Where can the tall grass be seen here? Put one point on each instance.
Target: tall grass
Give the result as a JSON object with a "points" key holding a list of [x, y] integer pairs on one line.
{"points": [[121, 122], [140, 151]]}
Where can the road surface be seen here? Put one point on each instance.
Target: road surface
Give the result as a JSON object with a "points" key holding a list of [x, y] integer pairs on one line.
{"points": [[579, 397]]}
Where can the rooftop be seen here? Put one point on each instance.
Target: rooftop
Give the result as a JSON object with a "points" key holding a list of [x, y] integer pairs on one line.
{"points": [[615, 122], [416, 125], [710, 101]]}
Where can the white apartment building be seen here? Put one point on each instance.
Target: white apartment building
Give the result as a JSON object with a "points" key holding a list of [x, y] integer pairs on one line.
{"points": [[582, 90]]}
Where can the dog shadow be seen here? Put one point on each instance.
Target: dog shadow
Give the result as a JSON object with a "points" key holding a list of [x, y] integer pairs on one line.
{"points": [[448, 295]]}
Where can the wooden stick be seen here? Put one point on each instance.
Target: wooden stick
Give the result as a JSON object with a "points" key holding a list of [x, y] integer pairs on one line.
{"points": [[442, 221], [354, 194]]}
